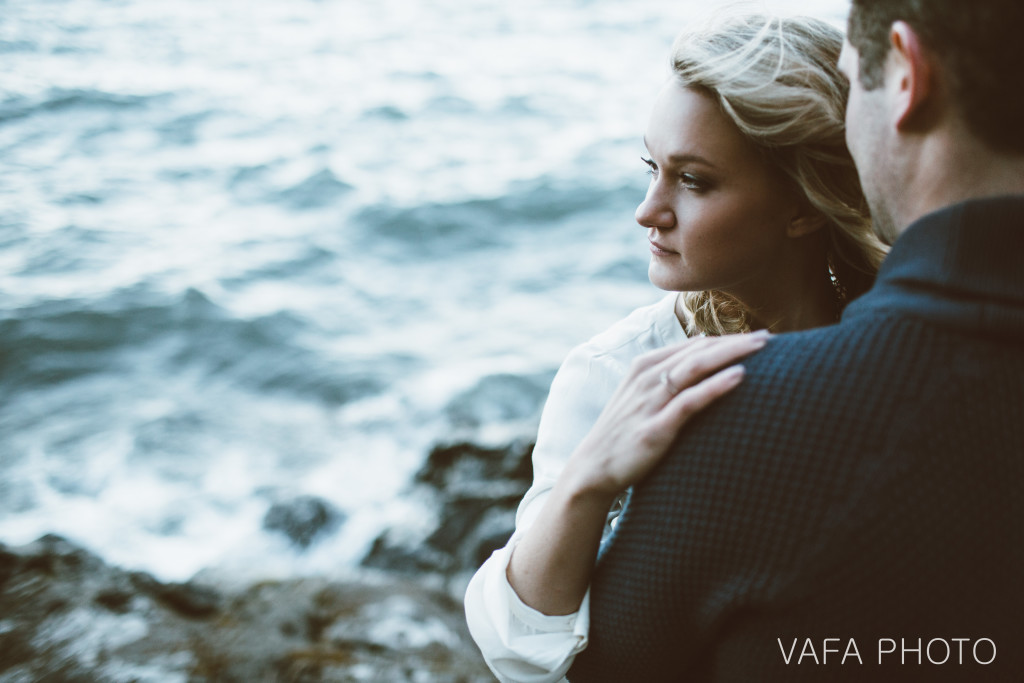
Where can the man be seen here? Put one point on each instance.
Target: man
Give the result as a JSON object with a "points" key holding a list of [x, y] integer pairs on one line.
{"points": [[855, 509]]}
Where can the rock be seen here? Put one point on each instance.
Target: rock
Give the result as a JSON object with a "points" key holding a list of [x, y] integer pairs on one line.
{"points": [[187, 599], [8, 566], [466, 519], [477, 490], [463, 466], [407, 556], [303, 519], [114, 599], [491, 532], [65, 615]]}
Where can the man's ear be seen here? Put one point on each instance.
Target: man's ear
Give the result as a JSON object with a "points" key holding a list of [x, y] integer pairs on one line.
{"points": [[909, 78]]}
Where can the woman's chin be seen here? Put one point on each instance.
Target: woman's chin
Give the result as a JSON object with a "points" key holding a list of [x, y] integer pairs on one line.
{"points": [[663, 278]]}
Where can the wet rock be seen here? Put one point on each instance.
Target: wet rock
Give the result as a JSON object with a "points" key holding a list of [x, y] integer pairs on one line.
{"points": [[395, 552], [303, 519], [8, 566], [79, 619], [465, 467], [53, 555], [477, 490], [115, 599], [492, 531], [465, 522], [187, 599]]}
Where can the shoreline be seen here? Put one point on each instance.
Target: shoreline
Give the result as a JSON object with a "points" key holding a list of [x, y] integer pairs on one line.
{"points": [[69, 614]]}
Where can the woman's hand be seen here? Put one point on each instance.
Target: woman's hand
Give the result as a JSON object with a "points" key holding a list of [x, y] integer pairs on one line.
{"points": [[662, 392], [551, 566]]}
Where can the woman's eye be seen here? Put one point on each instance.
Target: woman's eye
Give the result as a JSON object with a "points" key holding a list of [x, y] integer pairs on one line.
{"points": [[652, 167], [692, 182]]}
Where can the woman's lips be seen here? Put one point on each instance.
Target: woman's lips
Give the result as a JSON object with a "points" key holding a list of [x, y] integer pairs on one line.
{"points": [[659, 250]]}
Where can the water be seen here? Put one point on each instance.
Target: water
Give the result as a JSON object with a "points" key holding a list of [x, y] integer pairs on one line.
{"points": [[252, 250]]}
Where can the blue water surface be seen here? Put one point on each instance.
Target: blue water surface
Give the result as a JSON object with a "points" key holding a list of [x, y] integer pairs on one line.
{"points": [[257, 249]]}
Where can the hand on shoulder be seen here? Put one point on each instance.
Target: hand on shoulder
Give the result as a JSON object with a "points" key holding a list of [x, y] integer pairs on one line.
{"points": [[663, 390]]}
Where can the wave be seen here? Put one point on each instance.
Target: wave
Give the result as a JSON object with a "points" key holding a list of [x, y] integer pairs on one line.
{"points": [[478, 222], [318, 190], [389, 113], [500, 398], [8, 46], [63, 99], [61, 341], [184, 129]]}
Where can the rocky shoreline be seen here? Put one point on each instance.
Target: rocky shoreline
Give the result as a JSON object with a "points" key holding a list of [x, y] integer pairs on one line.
{"points": [[66, 615]]}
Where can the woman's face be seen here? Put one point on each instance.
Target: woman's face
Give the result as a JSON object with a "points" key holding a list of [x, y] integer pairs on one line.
{"points": [[718, 216]]}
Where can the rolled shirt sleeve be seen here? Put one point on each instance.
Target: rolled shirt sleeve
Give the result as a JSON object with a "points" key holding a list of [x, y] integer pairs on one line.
{"points": [[520, 644]]}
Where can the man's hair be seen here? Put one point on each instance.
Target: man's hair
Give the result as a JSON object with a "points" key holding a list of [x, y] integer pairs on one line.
{"points": [[978, 45]]}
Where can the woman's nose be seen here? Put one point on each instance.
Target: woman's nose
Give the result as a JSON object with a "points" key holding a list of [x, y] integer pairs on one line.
{"points": [[654, 211]]}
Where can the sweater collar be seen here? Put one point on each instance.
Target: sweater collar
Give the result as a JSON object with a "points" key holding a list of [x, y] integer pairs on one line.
{"points": [[961, 265]]}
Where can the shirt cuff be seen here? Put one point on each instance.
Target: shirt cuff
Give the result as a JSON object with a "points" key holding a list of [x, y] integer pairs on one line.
{"points": [[538, 622], [518, 642]]}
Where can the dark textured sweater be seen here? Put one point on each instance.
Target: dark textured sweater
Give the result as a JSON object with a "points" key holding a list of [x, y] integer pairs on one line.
{"points": [[865, 483]]}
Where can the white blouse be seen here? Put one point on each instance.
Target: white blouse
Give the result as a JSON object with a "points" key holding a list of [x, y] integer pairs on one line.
{"points": [[520, 644]]}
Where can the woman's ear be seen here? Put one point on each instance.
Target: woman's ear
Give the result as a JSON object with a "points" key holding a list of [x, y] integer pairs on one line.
{"points": [[805, 221]]}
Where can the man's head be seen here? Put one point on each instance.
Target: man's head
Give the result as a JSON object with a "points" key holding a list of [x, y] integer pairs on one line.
{"points": [[978, 45], [925, 67]]}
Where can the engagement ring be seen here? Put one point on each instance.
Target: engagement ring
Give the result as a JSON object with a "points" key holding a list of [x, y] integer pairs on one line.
{"points": [[672, 388]]}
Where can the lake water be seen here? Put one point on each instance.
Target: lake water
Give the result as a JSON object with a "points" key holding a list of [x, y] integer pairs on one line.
{"points": [[257, 249]]}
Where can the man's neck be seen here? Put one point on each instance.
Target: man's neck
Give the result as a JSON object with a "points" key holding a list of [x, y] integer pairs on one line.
{"points": [[955, 168]]}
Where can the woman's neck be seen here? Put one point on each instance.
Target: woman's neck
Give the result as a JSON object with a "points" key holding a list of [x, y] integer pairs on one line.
{"points": [[803, 298], [816, 308]]}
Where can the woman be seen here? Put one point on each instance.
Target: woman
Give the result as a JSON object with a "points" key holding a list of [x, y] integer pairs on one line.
{"points": [[757, 223]]}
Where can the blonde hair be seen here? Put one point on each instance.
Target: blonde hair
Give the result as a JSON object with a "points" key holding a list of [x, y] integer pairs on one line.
{"points": [[777, 79]]}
